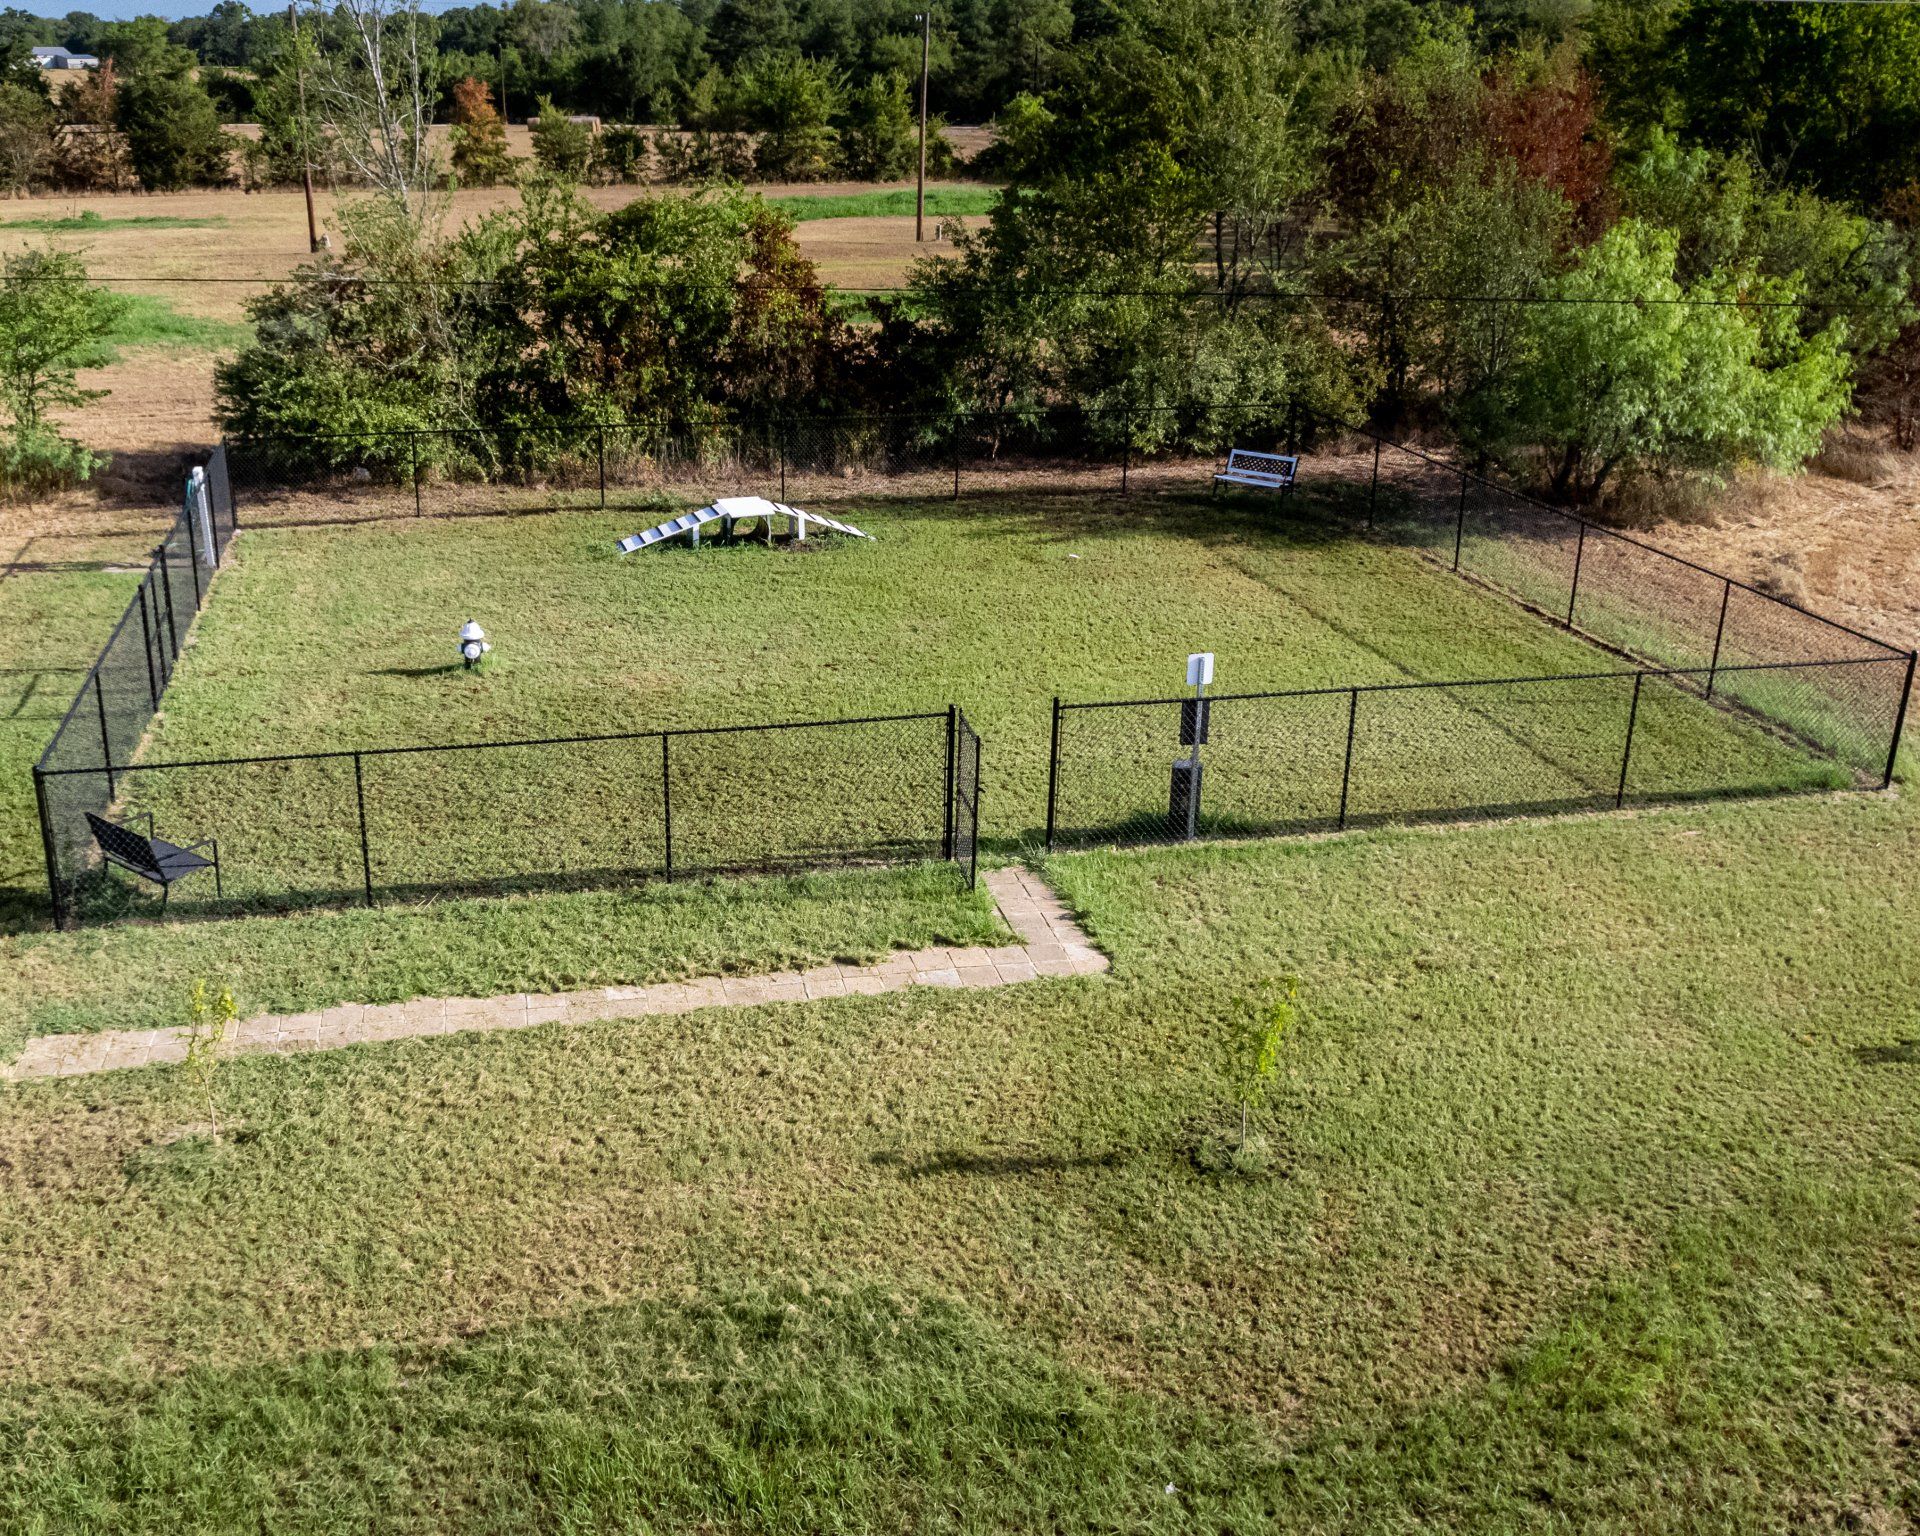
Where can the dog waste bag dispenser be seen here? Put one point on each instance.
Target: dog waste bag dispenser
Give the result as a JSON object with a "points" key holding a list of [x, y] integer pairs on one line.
{"points": [[1183, 801]]}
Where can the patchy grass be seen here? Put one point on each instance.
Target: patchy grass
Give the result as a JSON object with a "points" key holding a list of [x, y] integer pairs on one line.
{"points": [[87, 220], [942, 203], [1590, 1209], [146, 321], [138, 975], [341, 638]]}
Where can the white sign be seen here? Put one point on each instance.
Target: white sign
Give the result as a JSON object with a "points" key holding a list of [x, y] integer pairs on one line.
{"points": [[1200, 669]]}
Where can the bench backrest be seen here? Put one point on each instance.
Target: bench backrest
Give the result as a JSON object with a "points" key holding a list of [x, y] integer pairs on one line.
{"points": [[123, 846], [1245, 461]]}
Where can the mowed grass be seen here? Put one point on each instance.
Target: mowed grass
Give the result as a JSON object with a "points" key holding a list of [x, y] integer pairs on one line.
{"points": [[88, 220], [1591, 1209], [941, 203], [342, 638]]}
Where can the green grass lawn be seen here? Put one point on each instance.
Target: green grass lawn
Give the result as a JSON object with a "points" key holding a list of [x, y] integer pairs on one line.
{"points": [[342, 638], [942, 203], [88, 220], [1591, 1209]]}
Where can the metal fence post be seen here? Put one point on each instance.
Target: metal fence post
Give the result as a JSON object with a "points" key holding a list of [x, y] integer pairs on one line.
{"points": [[46, 847], [413, 468], [1460, 521], [166, 591], [947, 815], [146, 646], [366, 856], [956, 458], [783, 460], [1053, 770], [1900, 720], [666, 798], [193, 560], [1579, 554], [106, 746], [973, 841], [600, 453], [1719, 633], [1626, 756], [1346, 771], [1373, 486], [1126, 448]]}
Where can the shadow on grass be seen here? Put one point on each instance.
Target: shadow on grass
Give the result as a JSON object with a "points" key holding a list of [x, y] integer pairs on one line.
{"points": [[1901, 1053], [994, 1164]]}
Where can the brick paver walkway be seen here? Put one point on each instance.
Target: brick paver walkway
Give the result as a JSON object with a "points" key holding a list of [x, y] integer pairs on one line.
{"points": [[1051, 944]]}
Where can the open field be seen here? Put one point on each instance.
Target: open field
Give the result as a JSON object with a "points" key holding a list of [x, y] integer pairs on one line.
{"points": [[340, 639], [1591, 1209]]}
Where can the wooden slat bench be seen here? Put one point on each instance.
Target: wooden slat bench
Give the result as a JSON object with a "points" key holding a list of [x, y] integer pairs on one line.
{"points": [[154, 858], [1260, 471]]}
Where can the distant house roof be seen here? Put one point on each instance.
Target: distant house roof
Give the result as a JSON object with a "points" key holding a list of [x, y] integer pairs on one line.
{"points": [[60, 58]]}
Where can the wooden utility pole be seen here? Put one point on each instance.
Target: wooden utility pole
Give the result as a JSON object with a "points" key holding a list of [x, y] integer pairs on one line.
{"points": [[306, 157], [920, 191]]}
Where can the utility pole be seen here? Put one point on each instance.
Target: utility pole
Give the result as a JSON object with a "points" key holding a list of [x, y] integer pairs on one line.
{"points": [[306, 157], [920, 191]]}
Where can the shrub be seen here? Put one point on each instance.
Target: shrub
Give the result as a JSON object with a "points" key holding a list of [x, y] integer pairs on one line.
{"points": [[620, 154], [174, 138], [562, 147], [51, 320], [26, 138], [480, 155]]}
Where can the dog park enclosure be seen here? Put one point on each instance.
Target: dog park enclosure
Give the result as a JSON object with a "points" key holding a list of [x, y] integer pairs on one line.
{"points": [[1635, 677]]}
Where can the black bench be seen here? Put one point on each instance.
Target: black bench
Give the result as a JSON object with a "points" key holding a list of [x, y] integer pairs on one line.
{"points": [[154, 858]]}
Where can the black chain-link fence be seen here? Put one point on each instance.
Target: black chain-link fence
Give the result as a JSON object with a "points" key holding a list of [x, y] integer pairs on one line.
{"points": [[667, 465], [1321, 760], [82, 768], [393, 824]]}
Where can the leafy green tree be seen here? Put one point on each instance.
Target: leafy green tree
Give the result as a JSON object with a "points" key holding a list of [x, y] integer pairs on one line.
{"points": [[1635, 372], [51, 321], [174, 138], [879, 133], [1828, 94], [26, 138], [791, 103], [561, 146]]}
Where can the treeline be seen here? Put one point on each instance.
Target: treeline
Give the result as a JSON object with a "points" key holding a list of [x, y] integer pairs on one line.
{"points": [[1201, 211]]}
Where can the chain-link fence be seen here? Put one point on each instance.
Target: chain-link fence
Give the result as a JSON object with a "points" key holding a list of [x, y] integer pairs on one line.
{"points": [[400, 823], [81, 769], [1254, 765], [648, 465]]}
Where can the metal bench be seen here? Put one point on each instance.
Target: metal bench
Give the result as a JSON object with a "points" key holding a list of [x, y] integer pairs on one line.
{"points": [[154, 858], [1261, 471]]}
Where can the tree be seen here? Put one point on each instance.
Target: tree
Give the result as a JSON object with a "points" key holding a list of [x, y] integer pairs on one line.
{"points": [[174, 138], [26, 138], [1633, 372], [879, 134], [374, 82], [92, 152], [791, 102], [51, 320], [563, 147], [480, 155], [1828, 95]]}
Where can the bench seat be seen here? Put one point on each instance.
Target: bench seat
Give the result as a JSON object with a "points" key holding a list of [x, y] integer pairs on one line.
{"points": [[1259, 471]]}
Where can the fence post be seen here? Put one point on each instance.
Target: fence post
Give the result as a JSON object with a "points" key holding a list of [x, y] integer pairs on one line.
{"points": [[166, 591], [1626, 756], [600, 452], [666, 798], [1460, 521], [947, 816], [193, 560], [956, 457], [783, 459], [1900, 720], [46, 847], [1373, 486], [1579, 554], [1346, 771], [1719, 631], [413, 468], [146, 645], [1126, 447], [366, 857], [106, 746], [973, 844], [1053, 770]]}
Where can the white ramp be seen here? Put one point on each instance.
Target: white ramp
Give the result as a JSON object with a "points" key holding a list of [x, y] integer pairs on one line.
{"points": [[731, 509]]}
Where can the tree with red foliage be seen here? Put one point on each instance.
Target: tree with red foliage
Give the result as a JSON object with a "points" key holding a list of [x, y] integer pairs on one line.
{"points": [[1546, 121]]}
